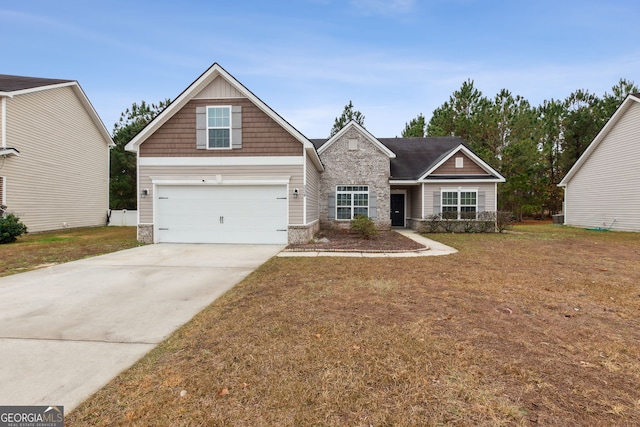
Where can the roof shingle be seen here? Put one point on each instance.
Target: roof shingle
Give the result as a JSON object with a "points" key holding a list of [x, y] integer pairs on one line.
{"points": [[9, 83]]}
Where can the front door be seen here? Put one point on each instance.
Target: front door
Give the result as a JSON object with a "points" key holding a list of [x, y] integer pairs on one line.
{"points": [[397, 210]]}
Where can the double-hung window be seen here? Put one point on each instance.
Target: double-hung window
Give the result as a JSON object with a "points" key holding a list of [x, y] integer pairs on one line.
{"points": [[218, 127], [459, 204], [352, 200]]}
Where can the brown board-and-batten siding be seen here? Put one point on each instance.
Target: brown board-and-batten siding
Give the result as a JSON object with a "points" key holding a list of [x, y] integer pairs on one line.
{"points": [[261, 135], [469, 167]]}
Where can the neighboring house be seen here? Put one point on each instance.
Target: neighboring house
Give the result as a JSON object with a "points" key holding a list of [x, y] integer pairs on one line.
{"points": [[54, 154], [220, 166], [602, 189]]}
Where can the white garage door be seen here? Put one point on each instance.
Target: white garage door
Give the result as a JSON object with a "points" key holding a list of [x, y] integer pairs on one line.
{"points": [[221, 214]]}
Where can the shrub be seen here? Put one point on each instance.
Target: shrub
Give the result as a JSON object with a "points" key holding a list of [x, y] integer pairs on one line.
{"points": [[11, 228], [482, 222], [364, 226], [504, 221]]}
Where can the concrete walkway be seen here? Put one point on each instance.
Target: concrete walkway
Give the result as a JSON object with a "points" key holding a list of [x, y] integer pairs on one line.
{"points": [[433, 248], [67, 330]]}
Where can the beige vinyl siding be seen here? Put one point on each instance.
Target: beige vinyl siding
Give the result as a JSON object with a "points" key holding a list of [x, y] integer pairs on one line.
{"points": [[145, 204], [488, 188], [607, 186], [61, 176], [219, 88], [312, 191]]}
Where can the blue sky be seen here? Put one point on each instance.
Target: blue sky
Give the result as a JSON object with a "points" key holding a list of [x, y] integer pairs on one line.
{"points": [[308, 58]]}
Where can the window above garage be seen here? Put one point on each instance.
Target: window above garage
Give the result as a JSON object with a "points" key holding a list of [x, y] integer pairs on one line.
{"points": [[218, 127]]}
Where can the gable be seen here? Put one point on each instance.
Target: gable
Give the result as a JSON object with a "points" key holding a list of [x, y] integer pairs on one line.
{"points": [[477, 168], [459, 164], [353, 130], [219, 88], [206, 86], [261, 135], [623, 128]]}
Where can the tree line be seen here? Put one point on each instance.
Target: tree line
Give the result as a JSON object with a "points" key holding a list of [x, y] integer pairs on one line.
{"points": [[532, 147]]}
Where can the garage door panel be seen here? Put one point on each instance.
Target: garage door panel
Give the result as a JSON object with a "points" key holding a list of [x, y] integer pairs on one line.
{"points": [[221, 214]]}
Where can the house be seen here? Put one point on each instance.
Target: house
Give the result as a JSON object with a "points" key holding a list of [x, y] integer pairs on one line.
{"points": [[602, 189], [54, 154], [218, 165], [400, 182]]}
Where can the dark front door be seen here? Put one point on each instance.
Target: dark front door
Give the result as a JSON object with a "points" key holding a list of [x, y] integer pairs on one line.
{"points": [[397, 210]]}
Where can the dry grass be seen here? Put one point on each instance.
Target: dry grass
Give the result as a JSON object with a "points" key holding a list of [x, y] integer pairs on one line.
{"points": [[534, 327], [37, 250]]}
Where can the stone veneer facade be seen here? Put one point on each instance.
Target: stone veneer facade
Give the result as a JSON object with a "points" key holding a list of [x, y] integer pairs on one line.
{"points": [[367, 164]]}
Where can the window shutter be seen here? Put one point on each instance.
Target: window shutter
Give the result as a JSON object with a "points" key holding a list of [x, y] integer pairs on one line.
{"points": [[236, 127], [481, 201], [373, 206], [436, 203], [201, 128], [332, 206]]}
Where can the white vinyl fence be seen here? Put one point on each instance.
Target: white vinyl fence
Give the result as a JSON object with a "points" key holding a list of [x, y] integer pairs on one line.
{"points": [[123, 217]]}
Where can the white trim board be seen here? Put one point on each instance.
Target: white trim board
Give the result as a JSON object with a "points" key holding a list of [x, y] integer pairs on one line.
{"points": [[222, 161]]}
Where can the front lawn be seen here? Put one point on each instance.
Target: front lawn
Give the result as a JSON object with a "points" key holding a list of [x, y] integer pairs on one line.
{"points": [[39, 250], [535, 327]]}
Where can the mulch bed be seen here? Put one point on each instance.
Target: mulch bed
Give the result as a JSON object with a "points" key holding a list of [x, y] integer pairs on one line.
{"points": [[339, 240]]}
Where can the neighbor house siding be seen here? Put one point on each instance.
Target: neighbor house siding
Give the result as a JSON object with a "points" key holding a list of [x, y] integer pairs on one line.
{"points": [[2, 101], [261, 135], [312, 191], [489, 190], [145, 204], [61, 177], [607, 186]]}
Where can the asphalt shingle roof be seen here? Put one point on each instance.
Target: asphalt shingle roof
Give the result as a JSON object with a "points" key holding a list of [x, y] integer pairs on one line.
{"points": [[414, 156], [10, 83]]}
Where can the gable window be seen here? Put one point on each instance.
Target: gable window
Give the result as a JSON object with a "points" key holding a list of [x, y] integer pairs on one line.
{"points": [[352, 200], [218, 127], [459, 204]]}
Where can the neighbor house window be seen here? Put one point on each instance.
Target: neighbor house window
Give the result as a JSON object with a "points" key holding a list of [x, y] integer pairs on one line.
{"points": [[459, 204], [352, 200], [218, 127]]}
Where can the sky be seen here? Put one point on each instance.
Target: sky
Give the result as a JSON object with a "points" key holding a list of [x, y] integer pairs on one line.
{"points": [[306, 59]]}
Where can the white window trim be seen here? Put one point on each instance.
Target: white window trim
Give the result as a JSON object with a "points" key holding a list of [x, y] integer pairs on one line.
{"points": [[459, 205], [352, 207], [220, 127]]}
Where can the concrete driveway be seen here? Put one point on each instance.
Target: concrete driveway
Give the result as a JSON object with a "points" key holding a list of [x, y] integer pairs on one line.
{"points": [[67, 330]]}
